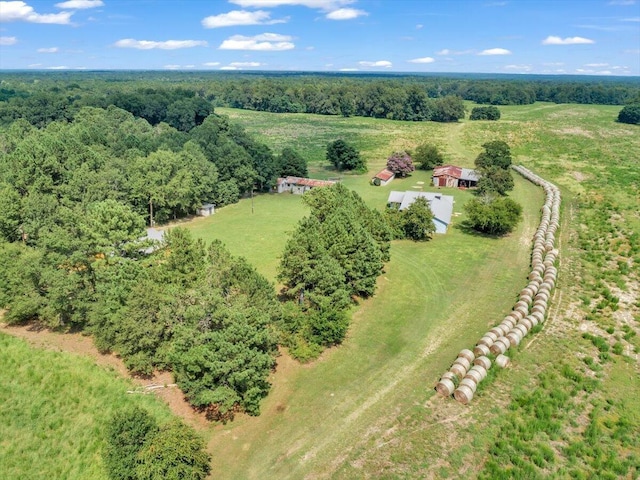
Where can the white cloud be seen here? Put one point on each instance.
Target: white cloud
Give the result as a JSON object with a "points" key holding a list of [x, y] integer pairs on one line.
{"points": [[553, 40], [345, 14], [624, 3], [379, 63], [48, 50], [419, 26], [320, 4], [496, 4], [263, 42], [211, 64], [495, 51], [34, 65], [518, 68], [80, 4], [59, 67], [245, 64], [178, 67], [446, 51], [21, 12], [5, 41], [631, 19], [240, 17], [166, 45], [229, 67], [596, 65], [349, 70], [553, 64], [633, 51], [422, 60]]}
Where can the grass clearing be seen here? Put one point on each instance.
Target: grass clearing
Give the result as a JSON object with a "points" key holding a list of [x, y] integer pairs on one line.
{"points": [[55, 407]]}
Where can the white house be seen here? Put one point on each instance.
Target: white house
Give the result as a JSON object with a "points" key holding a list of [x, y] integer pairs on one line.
{"points": [[441, 206]]}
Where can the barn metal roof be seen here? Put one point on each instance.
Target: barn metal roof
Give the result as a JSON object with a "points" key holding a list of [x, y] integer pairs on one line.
{"points": [[307, 182], [456, 172]]}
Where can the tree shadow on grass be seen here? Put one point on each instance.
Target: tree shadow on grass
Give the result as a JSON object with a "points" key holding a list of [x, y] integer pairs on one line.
{"points": [[466, 228]]}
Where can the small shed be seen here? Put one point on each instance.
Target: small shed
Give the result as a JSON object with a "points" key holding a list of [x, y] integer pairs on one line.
{"points": [[383, 177], [299, 185], [206, 209], [455, 177], [441, 205]]}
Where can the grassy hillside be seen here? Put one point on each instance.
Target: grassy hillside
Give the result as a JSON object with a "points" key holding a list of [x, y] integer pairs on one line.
{"points": [[55, 407]]}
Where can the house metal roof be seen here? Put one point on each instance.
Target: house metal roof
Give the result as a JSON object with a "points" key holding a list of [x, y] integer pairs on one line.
{"points": [[441, 205], [307, 182]]}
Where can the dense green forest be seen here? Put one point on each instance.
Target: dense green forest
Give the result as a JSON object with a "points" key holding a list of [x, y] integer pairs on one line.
{"points": [[183, 100]]}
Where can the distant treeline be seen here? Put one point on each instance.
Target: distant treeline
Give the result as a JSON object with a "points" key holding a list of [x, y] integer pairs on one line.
{"points": [[183, 99]]}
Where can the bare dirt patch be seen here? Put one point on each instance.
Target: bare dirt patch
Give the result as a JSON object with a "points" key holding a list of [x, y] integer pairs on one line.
{"points": [[79, 344]]}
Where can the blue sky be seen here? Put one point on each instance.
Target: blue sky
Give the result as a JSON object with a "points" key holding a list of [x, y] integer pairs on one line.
{"points": [[600, 37]]}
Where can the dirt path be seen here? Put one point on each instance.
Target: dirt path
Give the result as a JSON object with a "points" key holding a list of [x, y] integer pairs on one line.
{"points": [[79, 344]]}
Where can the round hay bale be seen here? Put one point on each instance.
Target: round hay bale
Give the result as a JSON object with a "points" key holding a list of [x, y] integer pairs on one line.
{"points": [[491, 335], [487, 341], [497, 332], [504, 327], [523, 310], [521, 303], [469, 382], [517, 315], [458, 370], [500, 346], [448, 375], [472, 375], [466, 353], [465, 362], [538, 309], [480, 351], [514, 338], [539, 316], [527, 322], [502, 361], [534, 274], [463, 394], [484, 361], [526, 299], [445, 387], [522, 329]]}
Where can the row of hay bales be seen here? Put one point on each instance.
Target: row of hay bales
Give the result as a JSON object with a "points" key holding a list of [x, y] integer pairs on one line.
{"points": [[471, 366]]}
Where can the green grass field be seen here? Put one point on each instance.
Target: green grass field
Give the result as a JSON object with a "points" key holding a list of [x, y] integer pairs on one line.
{"points": [[566, 408], [55, 408]]}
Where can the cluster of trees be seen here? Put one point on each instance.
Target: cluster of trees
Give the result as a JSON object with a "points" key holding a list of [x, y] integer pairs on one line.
{"points": [[332, 258], [491, 212], [138, 449], [344, 156], [428, 156], [485, 113]]}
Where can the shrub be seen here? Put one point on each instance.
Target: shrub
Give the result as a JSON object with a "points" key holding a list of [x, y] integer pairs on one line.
{"points": [[485, 113], [427, 156], [630, 114], [400, 163], [493, 215]]}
